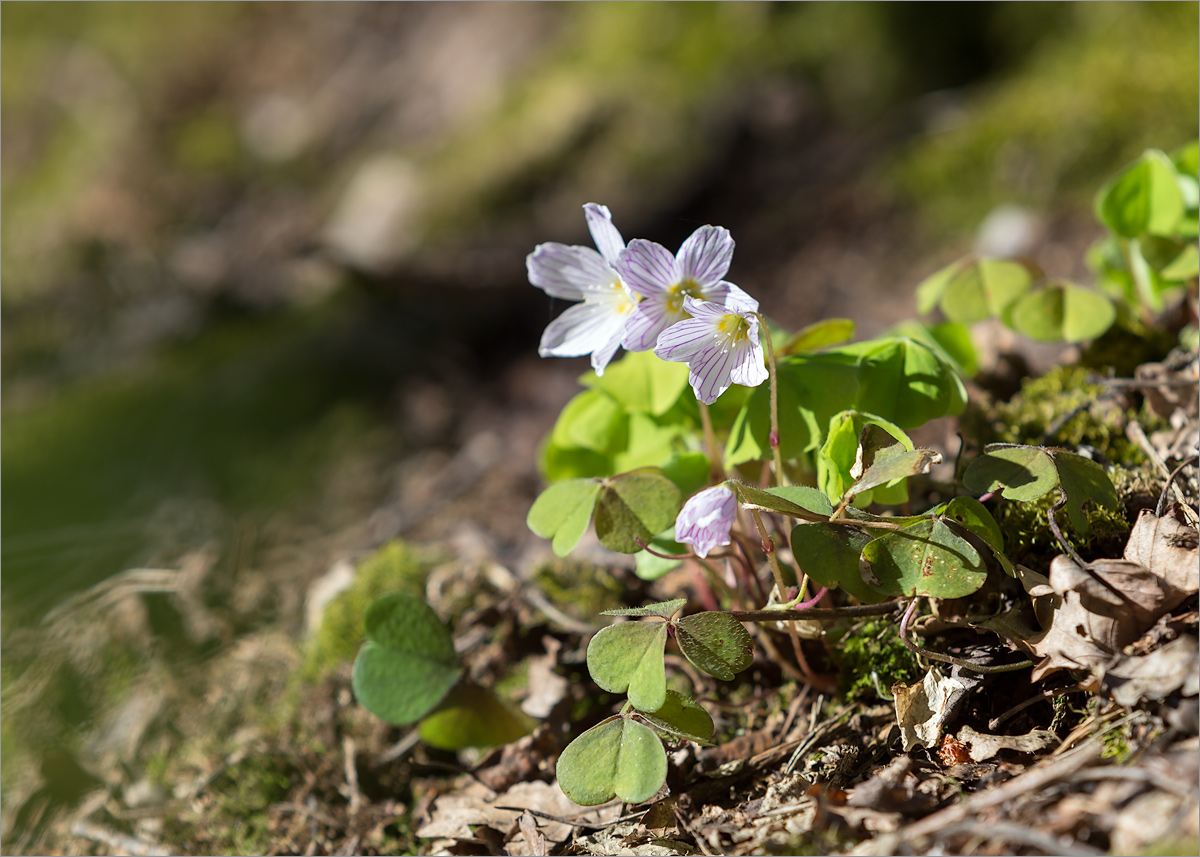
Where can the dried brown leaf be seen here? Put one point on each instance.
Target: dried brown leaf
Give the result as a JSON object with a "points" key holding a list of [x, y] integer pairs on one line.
{"points": [[1100, 611], [923, 709], [1156, 675], [983, 746], [1167, 546]]}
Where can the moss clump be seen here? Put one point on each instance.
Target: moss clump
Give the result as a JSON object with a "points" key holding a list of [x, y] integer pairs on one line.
{"points": [[395, 567], [1028, 539], [1067, 407], [871, 658]]}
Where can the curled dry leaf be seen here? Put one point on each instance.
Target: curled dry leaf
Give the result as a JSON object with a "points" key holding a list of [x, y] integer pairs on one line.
{"points": [[981, 746], [1097, 611], [1167, 546], [1156, 675], [924, 708]]}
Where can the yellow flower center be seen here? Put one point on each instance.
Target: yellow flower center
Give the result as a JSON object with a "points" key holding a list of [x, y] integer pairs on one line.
{"points": [[733, 327], [679, 291]]}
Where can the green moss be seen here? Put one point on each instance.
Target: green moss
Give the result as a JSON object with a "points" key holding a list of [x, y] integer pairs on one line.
{"points": [[246, 791], [395, 567], [1067, 407], [1029, 540], [871, 658]]}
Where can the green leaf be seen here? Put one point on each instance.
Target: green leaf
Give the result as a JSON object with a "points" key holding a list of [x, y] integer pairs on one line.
{"points": [[949, 339], [841, 454], [932, 289], [1062, 312], [984, 289], [1144, 198], [927, 558], [688, 470], [1185, 266], [1083, 479], [408, 663], [562, 512], [716, 643], [618, 757], [628, 657], [665, 609], [591, 420], [796, 501], [559, 463], [899, 465], [970, 513], [905, 382], [811, 389], [821, 334], [829, 554], [642, 382], [635, 506], [684, 717], [650, 444], [1187, 159], [473, 716], [1021, 473]]}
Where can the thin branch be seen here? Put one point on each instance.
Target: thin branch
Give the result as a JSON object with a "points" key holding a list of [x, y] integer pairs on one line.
{"points": [[947, 659], [816, 614]]}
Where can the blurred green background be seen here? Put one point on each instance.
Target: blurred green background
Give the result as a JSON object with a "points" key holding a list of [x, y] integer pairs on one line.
{"points": [[245, 246]]}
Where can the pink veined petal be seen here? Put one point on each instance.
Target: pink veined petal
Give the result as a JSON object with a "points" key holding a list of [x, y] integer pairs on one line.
{"points": [[706, 255], [647, 268], [608, 240], [580, 330], [737, 299], [648, 320], [710, 374], [567, 271], [707, 310], [679, 342], [749, 370]]}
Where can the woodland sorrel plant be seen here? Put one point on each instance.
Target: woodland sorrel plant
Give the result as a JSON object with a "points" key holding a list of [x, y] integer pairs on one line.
{"points": [[714, 473], [723, 439]]}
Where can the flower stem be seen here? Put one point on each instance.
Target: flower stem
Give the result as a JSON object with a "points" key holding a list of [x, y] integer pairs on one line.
{"points": [[715, 458], [773, 437]]}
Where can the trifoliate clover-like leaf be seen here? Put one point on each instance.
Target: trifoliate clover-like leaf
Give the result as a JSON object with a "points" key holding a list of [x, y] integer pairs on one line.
{"points": [[628, 658], [618, 757], [408, 663], [633, 507], [716, 643], [926, 558], [562, 512]]}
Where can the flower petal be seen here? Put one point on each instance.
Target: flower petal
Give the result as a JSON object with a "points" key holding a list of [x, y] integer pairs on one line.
{"points": [[651, 318], [749, 369], [706, 519], [568, 271], [581, 330], [708, 310], [710, 373], [604, 354], [647, 268], [737, 299], [679, 342], [706, 255], [608, 240]]}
